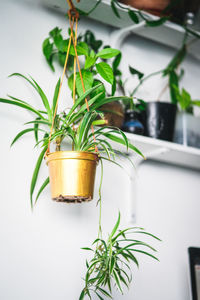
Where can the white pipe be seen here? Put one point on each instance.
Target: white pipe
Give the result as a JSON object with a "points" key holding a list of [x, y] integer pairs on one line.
{"points": [[118, 36]]}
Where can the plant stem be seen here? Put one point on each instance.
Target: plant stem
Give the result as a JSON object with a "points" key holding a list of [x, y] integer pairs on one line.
{"points": [[100, 202], [162, 92], [58, 145], [144, 79], [121, 87], [96, 5]]}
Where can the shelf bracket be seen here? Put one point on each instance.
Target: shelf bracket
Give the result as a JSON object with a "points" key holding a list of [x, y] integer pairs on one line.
{"points": [[132, 201]]}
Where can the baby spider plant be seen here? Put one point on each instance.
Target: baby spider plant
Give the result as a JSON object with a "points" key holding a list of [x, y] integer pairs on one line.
{"points": [[111, 261]]}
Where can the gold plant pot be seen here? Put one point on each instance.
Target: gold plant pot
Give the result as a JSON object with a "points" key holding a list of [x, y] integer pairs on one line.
{"points": [[72, 175]]}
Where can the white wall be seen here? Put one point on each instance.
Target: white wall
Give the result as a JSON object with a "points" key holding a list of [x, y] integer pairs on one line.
{"points": [[40, 256]]}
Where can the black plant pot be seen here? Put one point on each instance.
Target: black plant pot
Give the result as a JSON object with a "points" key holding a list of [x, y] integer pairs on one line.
{"points": [[160, 120], [132, 122]]}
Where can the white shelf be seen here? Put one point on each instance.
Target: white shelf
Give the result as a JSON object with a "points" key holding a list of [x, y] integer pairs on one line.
{"points": [[166, 151], [169, 34]]}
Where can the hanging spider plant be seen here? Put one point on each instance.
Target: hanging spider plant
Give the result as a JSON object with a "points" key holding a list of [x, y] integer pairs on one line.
{"points": [[111, 262], [74, 125]]}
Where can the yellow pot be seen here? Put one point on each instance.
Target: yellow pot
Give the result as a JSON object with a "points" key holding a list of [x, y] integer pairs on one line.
{"points": [[72, 175]]}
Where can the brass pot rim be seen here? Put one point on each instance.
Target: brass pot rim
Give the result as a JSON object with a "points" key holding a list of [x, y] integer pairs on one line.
{"points": [[82, 155]]}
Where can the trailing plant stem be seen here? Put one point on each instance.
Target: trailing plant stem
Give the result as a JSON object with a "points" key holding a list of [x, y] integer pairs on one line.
{"points": [[100, 202], [144, 79]]}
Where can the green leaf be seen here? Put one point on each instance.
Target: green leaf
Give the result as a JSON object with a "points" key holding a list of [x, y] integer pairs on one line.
{"points": [[156, 23], [81, 48], [173, 81], [23, 105], [136, 72], [82, 295], [121, 233], [105, 71], [47, 48], [45, 183], [70, 81], [102, 241], [92, 54], [86, 248], [82, 110], [61, 58], [115, 10], [55, 97], [117, 280], [133, 16], [44, 99], [87, 80], [122, 142], [116, 62], [146, 253], [39, 90], [36, 128], [80, 100], [108, 53], [59, 43], [84, 127], [101, 89], [112, 264], [99, 122], [115, 227], [149, 234], [176, 60], [90, 61], [98, 296], [90, 40], [196, 102], [35, 174], [114, 86], [103, 101], [104, 292], [20, 134], [186, 99], [38, 121], [50, 62], [54, 32]]}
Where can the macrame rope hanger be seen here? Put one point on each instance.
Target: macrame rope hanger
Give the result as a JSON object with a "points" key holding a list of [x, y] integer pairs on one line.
{"points": [[73, 17]]}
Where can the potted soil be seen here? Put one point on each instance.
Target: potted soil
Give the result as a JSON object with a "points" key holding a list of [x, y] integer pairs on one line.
{"points": [[160, 120]]}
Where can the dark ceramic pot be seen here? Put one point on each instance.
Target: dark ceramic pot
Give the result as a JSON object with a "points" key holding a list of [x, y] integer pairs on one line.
{"points": [[160, 120], [132, 122]]}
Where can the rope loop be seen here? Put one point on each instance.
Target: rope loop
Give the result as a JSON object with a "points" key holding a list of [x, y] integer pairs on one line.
{"points": [[73, 16], [72, 12]]}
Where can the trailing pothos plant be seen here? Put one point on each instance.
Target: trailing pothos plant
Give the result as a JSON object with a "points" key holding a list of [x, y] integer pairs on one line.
{"points": [[73, 125], [112, 259], [95, 63], [174, 73], [170, 13], [91, 51]]}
